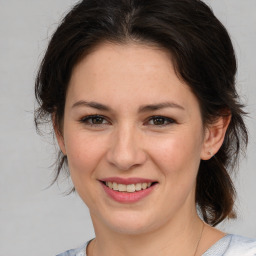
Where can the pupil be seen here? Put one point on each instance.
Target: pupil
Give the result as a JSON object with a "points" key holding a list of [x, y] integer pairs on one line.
{"points": [[158, 121], [97, 120]]}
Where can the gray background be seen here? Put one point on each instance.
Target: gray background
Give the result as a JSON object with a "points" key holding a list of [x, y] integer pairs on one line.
{"points": [[39, 221]]}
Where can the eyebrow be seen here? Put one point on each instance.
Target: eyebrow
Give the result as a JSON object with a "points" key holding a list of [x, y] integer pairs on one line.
{"points": [[91, 104], [154, 107], [144, 108]]}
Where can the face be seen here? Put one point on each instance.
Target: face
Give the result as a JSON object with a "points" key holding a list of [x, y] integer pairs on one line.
{"points": [[133, 136]]}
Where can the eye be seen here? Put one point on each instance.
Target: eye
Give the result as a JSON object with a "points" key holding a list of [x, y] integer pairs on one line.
{"points": [[94, 120], [160, 121]]}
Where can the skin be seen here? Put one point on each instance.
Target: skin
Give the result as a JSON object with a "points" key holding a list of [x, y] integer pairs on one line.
{"points": [[127, 143]]}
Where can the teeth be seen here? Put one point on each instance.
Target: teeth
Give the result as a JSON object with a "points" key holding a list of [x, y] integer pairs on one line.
{"points": [[115, 187], [144, 185], [128, 188], [110, 185], [122, 187], [138, 186]]}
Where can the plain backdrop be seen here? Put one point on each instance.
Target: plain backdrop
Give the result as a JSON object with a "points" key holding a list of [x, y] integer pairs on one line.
{"points": [[39, 221]]}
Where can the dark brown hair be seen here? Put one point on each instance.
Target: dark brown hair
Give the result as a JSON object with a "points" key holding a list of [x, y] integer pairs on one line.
{"points": [[203, 57]]}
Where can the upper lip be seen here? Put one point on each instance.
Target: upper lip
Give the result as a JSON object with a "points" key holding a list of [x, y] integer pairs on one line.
{"points": [[127, 181]]}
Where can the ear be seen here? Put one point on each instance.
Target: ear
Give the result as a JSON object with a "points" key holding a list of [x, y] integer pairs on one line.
{"points": [[214, 136], [59, 135]]}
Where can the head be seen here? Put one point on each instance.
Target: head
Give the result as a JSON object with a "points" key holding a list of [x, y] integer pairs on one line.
{"points": [[184, 37]]}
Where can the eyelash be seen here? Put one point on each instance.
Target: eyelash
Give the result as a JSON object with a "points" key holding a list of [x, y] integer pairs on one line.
{"points": [[85, 120], [88, 120], [165, 119]]}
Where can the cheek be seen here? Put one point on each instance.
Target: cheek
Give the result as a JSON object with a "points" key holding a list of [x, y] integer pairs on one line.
{"points": [[177, 154], [84, 153]]}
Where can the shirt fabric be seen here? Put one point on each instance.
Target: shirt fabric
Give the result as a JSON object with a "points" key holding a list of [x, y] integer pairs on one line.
{"points": [[229, 245]]}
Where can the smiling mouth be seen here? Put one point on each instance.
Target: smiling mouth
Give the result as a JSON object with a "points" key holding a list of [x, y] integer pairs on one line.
{"points": [[130, 188]]}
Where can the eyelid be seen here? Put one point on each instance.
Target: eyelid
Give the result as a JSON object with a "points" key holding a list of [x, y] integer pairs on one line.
{"points": [[170, 120], [84, 120]]}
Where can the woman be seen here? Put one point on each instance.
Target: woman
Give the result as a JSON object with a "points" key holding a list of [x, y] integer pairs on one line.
{"points": [[142, 99]]}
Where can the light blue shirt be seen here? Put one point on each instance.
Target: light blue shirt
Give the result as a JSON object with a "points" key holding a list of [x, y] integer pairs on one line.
{"points": [[229, 245]]}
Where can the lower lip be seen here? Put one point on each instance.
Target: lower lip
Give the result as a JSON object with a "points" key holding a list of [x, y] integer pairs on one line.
{"points": [[126, 197]]}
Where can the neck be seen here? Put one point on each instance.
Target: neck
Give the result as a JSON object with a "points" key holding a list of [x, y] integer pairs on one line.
{"points": [[180, 236]]}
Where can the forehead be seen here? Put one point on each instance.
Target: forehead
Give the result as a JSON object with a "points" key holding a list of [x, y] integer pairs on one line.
{"points": [[129, 72], [112, 59]]}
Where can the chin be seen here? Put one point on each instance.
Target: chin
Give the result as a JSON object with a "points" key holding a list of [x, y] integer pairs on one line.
{"points": [[130, 224]]}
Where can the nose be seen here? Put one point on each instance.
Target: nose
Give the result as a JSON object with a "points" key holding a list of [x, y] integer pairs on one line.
{"points": [[126, 149]]}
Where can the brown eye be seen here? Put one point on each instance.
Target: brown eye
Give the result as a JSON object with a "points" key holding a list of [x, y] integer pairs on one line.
{"points": [[94, 120], [97, 120], [160, 121]]}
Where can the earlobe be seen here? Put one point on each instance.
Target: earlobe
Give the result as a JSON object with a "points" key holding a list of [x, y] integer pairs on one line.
{"points": [[59, 136], [214, 137]]}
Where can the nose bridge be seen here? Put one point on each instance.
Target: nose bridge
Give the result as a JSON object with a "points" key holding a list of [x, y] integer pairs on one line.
{"points": [[126, 151]]}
